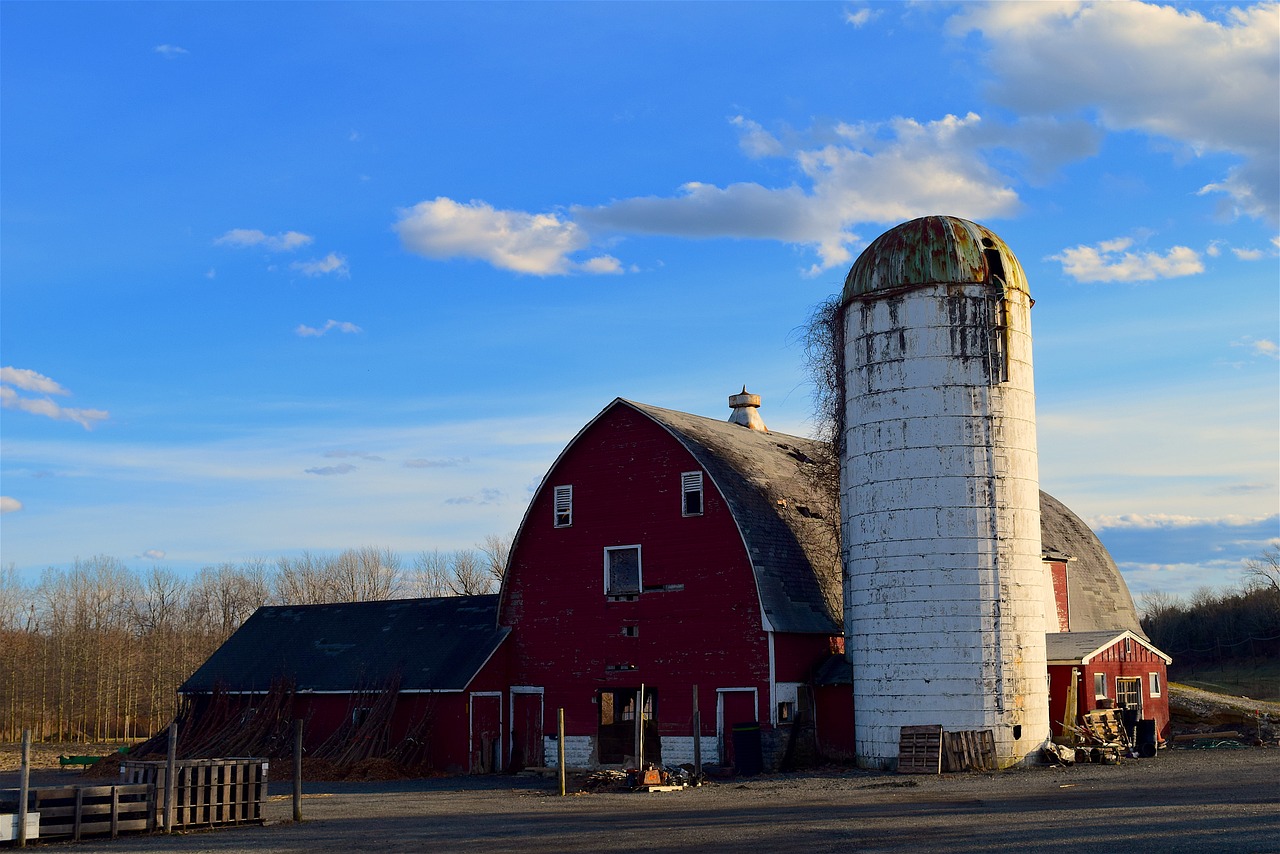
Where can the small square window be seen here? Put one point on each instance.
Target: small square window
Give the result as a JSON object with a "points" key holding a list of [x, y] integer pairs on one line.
{"points": [[1154, 680], [691, 493], [631, 631], [1099, 686], [564, 506], [786, 712], [622, 571]]}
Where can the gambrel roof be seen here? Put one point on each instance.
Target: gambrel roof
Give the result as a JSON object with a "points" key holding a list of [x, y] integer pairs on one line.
{"points": [[428, 644]]}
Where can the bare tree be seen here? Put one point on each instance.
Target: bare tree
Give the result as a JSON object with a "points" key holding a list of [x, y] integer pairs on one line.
{"points": [[469, 576], [496, 549], [431, 574], [1263, 572], [303, 580], [364, 575]]}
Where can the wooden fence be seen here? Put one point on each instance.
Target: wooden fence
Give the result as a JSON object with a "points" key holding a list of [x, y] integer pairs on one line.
{"points": [[205, 792], [77, 811]]}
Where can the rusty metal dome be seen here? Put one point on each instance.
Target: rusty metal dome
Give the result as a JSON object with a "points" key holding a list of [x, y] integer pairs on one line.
{"points": [[932, 250]]}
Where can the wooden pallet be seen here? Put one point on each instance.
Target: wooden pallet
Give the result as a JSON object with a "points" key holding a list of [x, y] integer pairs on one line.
{"points": [[920, 749], [969, 750], [77, 811]]}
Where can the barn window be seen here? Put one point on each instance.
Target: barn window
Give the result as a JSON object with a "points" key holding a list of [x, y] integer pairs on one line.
{"points": [[1154, 679], [1099, 686], [786, 712], [564, 506], [691, 490], [1128, 692], [622, 571]]}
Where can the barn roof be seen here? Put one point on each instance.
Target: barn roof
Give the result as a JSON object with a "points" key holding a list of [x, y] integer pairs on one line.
{"points": [[1081, 647], [430, 644], [1097, 597], [789, 524]]}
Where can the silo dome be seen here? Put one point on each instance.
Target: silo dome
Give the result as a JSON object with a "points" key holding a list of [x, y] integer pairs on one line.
{"points": [[931, 250]]}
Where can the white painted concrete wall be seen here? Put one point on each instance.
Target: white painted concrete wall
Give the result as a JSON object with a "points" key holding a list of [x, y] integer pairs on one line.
{"points": [[944, 585], [579, 751]]}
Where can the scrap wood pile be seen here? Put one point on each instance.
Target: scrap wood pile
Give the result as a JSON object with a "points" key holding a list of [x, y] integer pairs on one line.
{"points": [[227, 725], [1100, 737]]}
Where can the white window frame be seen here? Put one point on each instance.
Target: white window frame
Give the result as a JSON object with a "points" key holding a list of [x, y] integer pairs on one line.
{"points": [[1099, 683], [562, 506], [690, 482], [639, 570], [1153, 684]]}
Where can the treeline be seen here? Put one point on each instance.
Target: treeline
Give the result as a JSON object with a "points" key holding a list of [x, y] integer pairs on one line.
{"points": [[97, 651], [1213, 627]]}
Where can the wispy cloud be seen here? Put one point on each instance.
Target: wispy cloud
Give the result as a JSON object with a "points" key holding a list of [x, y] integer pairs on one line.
{"points": [[325, 471], [483, 497], [331, 263], [344, 454], [286, 241], [171, 51], [316, 331], [1152, 68], [860, 17], [1169, 520], [153, 554], [1263, 347], [9, 505], [452, 462], [1249, 254], [15, 380], [1110, 261]]}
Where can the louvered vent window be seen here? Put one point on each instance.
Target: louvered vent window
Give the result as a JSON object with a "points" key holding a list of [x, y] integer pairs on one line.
{"points": [[691, 490], [564, 506]]}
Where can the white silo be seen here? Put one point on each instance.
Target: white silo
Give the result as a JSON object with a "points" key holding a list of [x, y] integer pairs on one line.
{"points": [[944, 584]]}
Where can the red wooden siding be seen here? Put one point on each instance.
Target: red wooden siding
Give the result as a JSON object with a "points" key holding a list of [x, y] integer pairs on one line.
{"points": [[1058, 573], [1115, 662]]}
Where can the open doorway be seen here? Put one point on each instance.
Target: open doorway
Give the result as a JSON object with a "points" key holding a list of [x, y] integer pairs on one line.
{"points": [[616, 732]]}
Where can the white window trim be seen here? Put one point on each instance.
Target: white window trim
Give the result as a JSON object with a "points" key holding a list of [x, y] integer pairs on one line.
{"points": [[639, 569], [1153, 684], [692, 481], [562, 498], [1099, 679]]}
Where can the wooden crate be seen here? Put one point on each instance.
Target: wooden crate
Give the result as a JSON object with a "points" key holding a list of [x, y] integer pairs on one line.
{"points": [[920, 749], [207, 792], [77, 811]]}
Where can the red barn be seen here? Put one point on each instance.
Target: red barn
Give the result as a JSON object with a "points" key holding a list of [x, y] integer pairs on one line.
{"points": [[1110, 670], [695, 559]]}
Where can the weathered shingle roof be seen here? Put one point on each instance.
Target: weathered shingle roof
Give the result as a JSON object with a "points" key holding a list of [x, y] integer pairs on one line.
{"points": [[1080, 647], [771, 482], [430, 644], [1097, 597]]}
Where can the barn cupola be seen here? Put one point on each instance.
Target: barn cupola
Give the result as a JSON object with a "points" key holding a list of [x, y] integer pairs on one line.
{"points": [[746, 411]]}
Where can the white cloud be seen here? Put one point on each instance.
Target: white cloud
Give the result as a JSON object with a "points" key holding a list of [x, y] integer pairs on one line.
{"points": [[345, 454], [1260, 346], [1148, 521], [537, 244], [452, 462], [153, 554], [9, 505], [13, 380], [860, 17], [1249, 254], [331, 263], [315, 332], [1109, 262], [485, 496], [171, 51], [755, 140], [248, 237], [1173, 73]]}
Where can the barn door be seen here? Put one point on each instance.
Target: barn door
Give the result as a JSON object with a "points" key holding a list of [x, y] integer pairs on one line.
{"points": [[736, 712], [486, 732], [526, 730]]}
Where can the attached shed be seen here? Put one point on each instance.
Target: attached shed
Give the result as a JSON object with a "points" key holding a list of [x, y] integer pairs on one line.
{"points": [[435, 668], [1110, 669]]}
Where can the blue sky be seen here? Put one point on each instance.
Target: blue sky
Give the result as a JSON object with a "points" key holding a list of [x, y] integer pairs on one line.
{"points": [[314, 276]]}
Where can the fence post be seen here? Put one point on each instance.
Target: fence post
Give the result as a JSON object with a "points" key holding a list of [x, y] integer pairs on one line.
{"points": [[24, 788], [297, 770], [697, 738], [169, 781], [560, 749]]}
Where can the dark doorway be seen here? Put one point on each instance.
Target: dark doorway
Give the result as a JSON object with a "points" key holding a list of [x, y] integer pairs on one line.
{"points": [[616, 741]]}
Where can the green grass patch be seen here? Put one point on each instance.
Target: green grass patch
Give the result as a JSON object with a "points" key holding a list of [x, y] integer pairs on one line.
{"points": [[1256, 678]]}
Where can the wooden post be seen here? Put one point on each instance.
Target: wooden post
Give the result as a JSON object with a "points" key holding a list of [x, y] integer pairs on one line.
{"points": [[170, 779], [640, 730], [560, 749], [697, 738], [297, 770], [24, 788]]}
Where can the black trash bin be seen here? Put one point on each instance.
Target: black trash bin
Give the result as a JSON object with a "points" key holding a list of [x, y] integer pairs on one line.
{"points": [[748, 756], [1146, 738]]}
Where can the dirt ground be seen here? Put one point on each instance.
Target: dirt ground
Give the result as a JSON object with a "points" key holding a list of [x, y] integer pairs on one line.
{"points": [[1200, 801]]}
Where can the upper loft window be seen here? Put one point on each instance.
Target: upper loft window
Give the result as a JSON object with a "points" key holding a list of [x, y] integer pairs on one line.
{"points": [[622, 571], [564, 506], [691, 493]]}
